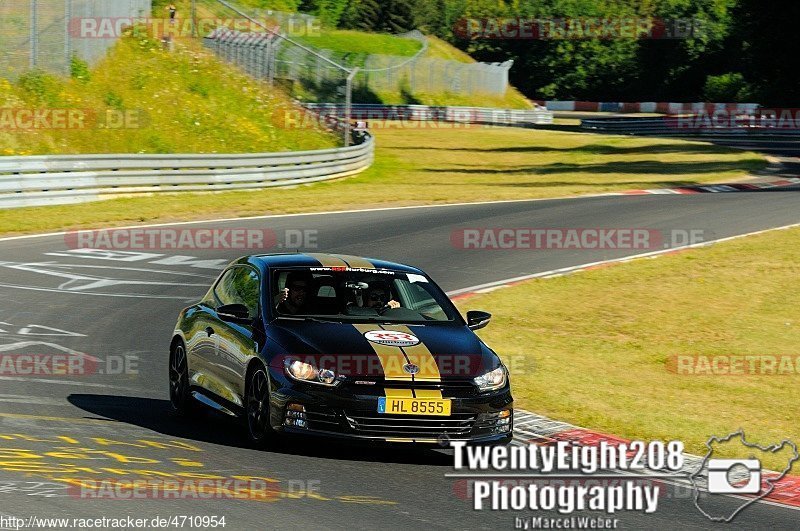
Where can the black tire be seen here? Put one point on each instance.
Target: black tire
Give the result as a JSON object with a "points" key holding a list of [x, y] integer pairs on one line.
{"points": [[259, 428], [179, 397]]}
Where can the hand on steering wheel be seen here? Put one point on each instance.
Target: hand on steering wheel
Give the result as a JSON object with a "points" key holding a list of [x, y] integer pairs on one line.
{"points": [[388, 306]]}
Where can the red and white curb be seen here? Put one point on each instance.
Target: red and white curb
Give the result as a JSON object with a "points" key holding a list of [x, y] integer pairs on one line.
{"points": [[644, 106], [716, 188], [770, 177], [537, 429]]}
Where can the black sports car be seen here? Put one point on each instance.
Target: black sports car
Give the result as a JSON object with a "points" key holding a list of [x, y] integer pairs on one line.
{"points": [[340, 346]]}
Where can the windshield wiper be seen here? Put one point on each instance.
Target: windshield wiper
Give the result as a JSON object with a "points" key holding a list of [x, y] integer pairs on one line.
{"points": [[309, 318]]}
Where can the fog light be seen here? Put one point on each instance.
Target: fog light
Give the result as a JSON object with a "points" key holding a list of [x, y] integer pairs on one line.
{"points": [[502, 429], [496, 421], [295, 416]]}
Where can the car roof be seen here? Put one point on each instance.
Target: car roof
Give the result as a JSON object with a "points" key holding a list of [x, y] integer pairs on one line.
{"points": [[289, 260]]}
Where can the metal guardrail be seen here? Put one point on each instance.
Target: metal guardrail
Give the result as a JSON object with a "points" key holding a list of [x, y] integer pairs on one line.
{"points": [[679, 126], [62, 179], [476, 115]]}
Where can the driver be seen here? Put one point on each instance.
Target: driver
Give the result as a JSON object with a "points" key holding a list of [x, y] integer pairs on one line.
{"points": [[295, 297], [379, 296]]}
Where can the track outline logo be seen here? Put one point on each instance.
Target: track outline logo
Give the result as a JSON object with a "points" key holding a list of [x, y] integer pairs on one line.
{"points": [[769, 481]]}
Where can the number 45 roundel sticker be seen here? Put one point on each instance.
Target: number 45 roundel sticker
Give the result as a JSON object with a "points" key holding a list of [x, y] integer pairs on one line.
{"points": [[391, 338]]}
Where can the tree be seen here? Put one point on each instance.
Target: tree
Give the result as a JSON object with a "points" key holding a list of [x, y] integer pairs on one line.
{"points": [[362, 15], [397, 16]]}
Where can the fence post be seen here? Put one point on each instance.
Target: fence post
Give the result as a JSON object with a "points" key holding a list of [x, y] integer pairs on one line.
{"points": [[194, 18], [68, 35], [348, 105], [34, 33]]}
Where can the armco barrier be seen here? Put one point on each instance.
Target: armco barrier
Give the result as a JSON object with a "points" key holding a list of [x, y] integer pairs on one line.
{"points": [[62, 179], [475, 115]]}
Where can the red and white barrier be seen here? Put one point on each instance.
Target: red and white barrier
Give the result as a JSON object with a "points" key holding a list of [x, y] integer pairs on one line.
{"points": [[644, 107]]}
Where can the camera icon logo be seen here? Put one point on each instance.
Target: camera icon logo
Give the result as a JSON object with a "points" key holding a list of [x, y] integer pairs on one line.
{"points": [[726, 476]]}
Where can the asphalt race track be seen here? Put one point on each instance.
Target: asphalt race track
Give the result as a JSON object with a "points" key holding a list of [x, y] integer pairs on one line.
{"points": [[120, 308]]}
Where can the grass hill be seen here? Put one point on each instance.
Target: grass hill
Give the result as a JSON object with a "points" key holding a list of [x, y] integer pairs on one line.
{"points": [[182, 101], [357, 45]]}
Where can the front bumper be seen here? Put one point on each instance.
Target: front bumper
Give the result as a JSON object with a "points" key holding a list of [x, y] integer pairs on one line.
{"points": [[351, 412]]}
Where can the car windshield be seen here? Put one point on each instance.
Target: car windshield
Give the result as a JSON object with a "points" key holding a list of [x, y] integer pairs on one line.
{"points": [[359, 295]]}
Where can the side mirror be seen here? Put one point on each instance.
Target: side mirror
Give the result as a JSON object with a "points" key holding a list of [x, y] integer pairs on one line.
{"points": [[477, 319], [233, 312]]}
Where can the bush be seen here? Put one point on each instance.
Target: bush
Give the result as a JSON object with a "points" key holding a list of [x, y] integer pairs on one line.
{"points": [[730, 87], [40, 88], [79, 69]]}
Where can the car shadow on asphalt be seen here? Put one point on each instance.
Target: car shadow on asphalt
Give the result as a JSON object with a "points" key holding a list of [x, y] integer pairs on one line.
{"points": [[211, 427]]}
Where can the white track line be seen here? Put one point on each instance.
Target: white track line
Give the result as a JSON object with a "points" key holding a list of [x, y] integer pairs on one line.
{"points": [[324, 213], [489, 286]]}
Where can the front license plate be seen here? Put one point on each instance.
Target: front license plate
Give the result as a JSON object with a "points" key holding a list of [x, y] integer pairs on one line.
{"points": [[438, 407]]}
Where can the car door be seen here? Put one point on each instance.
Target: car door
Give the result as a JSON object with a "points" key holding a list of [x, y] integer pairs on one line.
{"points": [[201, 343], [236, 343]]}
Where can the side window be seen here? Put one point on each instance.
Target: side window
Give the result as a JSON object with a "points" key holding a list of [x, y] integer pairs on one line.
{"points": [[239, 285]]}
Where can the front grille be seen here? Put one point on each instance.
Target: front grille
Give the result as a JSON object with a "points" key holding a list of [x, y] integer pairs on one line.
{"points": [[449, 388], [373, 424]]}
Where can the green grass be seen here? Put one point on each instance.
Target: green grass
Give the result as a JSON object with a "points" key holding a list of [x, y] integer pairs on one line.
{"points": [[428, 166], [512, 99], [439, 49], [186, 102], [592, 348], [360, 43]]}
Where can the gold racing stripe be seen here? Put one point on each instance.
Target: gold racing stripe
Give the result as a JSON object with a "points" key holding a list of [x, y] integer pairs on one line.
{"points": [[420, 356], [428, 393], [327, 260], [355, 261], [398, 393], [392, 358]]}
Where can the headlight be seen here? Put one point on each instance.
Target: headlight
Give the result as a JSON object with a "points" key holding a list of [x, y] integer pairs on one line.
{"points": [[492, 380], [306, 372]]}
